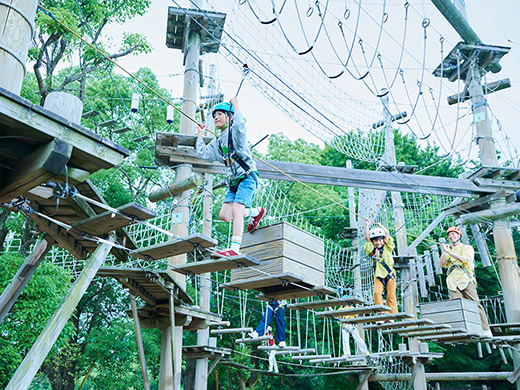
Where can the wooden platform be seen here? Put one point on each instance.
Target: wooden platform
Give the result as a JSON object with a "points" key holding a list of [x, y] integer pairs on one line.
{"points": [[434, 332], [413, 329], [341, 359], [175, 247], [281, 286], [512, 328], [148, 284], [204, 351], [463, 338], [354, 311], [377, 318], [398, 324], [326, 303], [103, 223], [215, 265]]}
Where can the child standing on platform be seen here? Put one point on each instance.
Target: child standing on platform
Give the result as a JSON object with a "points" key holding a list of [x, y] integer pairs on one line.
{"points": [[379, 246], [231, 149]]}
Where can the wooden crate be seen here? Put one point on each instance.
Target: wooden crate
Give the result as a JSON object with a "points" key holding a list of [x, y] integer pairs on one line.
{"points": [[284, 248], [458, 313]]}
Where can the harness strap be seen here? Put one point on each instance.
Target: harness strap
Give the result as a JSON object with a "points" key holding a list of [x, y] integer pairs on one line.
{"points": [[453, 266], [383, 263]]}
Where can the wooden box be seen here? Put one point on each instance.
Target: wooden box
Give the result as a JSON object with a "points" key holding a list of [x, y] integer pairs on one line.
{"points": [[458, 313], [283, 248]]}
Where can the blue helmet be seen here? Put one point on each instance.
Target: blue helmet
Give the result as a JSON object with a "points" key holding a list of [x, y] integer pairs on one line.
{"points": [[225, 107]]}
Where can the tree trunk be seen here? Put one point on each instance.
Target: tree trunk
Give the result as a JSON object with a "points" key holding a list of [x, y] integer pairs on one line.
{"points": [[4, 214], [189, 375], [28, 238]]}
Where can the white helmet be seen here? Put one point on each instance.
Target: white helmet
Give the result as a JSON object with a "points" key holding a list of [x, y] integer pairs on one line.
{"points": [[376, 233], [269, 329]]}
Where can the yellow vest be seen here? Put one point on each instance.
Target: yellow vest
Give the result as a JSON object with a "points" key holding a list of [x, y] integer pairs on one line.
{"points": [[389, 246], [458, 278]]}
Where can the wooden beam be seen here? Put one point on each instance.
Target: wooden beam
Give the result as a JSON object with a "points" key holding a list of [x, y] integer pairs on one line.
{"points": [[61, 236], [482, 247], [424, 233], [491, 214], [36, 168], [138, 290], [176, 188], [495, 86], [139, 340], [45, 341], [483, 200], [24, 274]]}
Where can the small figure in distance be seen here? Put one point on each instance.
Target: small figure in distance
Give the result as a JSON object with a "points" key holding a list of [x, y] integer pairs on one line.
{"points": [[460, 279], [273, 366], [276, 309], [379, 246], [231, 148]]}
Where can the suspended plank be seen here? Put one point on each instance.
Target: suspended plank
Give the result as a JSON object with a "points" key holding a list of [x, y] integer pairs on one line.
{"points": [[397, 324], [251, 340], [354, 311], [204, 351], [276, 348], [327, 303], [231, 330], [376, 318], [292, 351], [341, 359], [263, 281], [433, 332], [108, 221], [175, 247], [221, 264], [310, 357], [417, 328]]}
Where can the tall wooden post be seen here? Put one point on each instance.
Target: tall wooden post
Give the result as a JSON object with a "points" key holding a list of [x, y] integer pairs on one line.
{"points": [[505, 249], [409, 292], [16, 31], [181, 214], [201, 365]]}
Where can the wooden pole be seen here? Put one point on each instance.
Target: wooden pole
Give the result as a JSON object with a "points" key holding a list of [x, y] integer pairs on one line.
{"points": [[24, 274], [201, 365], [16, 31], [33, 360], [176, 188], [139, 340], [182, 210], [409, 291], [505, 249]]}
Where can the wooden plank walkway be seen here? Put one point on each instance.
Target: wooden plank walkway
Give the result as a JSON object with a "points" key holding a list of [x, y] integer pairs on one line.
{"points": [[326, 303], [215, 265], [416, 329], [175, 247], [397, 324], [204, 351], [354, 311], [106, 222], [377, 318]]}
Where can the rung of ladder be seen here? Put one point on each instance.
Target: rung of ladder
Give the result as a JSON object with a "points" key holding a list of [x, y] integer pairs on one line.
{"points": [[398, 324], [276, 348], [231, 330], [256, 339], [220, 323], [376, 318], [350, 358], [327, 303], [216, 265], [292, 351], [417, 329], [354, 311], [310, 357]]}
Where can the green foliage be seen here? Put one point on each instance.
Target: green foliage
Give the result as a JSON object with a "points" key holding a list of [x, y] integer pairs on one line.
{"points": [[30, 313]]}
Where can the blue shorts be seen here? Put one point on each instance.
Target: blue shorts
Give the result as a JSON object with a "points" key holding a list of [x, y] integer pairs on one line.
{"points": [[245, 192]]}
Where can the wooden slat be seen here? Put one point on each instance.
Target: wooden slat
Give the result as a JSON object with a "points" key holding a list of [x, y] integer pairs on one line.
{"points": [[108, 221], [326, 303], [433, 333], [263, 281], [175, 247], [222, 264], [377, 318], [417, 328], [456, 338], [354, 311], [397, 324]]}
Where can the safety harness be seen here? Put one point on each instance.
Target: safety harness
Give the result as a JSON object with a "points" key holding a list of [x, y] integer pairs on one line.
{"points": [[232, 157], [470, 276], [380, 259]]}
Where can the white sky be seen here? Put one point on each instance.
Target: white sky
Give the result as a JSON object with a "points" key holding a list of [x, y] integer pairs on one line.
{"points": [[495, 22]]}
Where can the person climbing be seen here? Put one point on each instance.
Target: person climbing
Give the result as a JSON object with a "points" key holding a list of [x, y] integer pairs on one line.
{"points": [[348, 330], [379, 245], [273, 366], [231, 148], [460, 278], [275, 308]]}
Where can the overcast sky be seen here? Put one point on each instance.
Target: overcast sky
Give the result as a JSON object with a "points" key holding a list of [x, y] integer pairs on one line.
{"points": [[495, 22]]}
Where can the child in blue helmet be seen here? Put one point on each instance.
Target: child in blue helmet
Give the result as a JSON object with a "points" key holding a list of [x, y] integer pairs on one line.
{"points": [[231, 149]]}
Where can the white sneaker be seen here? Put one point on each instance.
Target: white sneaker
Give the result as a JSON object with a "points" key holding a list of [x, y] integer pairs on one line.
{"points": [[487, 333], [253, 334], [282, 344]]}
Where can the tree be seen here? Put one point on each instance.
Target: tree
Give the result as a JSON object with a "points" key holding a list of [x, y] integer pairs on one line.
{"points": [[88, 18]]}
